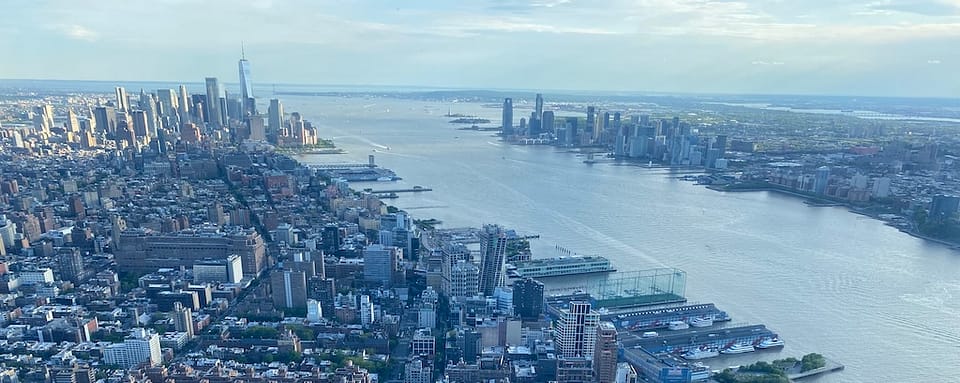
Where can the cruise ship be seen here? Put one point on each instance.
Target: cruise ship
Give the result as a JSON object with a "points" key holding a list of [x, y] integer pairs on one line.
{"points": [[554, 267]]}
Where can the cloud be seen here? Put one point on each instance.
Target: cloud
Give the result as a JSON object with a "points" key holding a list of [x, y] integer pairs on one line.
{"points": [[77, 32], [919, 7], [933, 62], [760, 62]]}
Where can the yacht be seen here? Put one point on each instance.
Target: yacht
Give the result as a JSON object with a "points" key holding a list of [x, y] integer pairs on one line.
{"points": [[678, 325], [770, 343], [739, 348], [701, 322], [699, 353]]}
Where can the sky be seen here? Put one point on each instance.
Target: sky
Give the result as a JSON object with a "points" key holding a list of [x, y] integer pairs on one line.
{"points": [[870, 48]]}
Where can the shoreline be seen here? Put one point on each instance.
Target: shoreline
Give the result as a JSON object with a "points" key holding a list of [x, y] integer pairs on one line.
{"points": [[815, 202]]}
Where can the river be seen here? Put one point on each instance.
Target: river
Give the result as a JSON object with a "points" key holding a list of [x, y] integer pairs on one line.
{"points": [[885, 304]]}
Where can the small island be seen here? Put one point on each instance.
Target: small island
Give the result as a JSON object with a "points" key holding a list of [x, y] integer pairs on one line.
{"points": [[470, 120]]}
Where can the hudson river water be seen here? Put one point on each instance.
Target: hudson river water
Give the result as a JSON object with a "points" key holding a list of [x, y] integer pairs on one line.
{"points": [[883, 303]]}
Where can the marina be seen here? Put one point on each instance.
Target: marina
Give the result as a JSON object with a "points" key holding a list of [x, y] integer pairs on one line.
{"points": [[682, 341]]}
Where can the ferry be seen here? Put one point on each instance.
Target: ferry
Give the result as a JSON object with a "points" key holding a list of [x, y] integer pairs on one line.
{"points": [[678, 325], [567, 265], [739, 348], [701, 322], [700, 353], [770, 343]]}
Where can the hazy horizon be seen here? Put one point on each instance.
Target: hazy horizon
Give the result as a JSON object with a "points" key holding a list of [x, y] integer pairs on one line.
{"points": [[887, 48]]}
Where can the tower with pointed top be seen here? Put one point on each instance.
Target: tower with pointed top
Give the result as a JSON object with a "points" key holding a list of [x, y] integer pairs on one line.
{"points": [[246, 87]]}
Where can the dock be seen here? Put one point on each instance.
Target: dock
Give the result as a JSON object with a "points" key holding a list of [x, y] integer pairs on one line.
{"points": [[684, 340], [660, 317], [830, 367]]}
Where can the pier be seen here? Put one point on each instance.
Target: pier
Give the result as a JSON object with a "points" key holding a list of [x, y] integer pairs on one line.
{"points": [[830, 367], [388, 191], [680, 341]]}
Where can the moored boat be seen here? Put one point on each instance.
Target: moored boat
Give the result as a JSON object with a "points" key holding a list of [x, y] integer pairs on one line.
{"points": [[770, 343], [739, 348]]}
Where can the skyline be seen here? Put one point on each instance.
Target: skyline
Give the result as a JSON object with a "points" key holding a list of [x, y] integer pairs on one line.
{"points": [[884, 48]]}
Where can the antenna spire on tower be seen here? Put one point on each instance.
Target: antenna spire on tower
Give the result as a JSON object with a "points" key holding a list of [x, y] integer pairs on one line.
{"points": [[242, 55]]}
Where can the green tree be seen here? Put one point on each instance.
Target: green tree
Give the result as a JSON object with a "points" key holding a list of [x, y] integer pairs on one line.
{"points": [[812, 361], [259, 332]]}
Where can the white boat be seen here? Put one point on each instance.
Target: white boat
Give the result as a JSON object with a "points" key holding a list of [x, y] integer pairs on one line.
{"points": [[678, 325], [566, 265], [701, 322], [770, 343], [700, 353], [739, 348]]}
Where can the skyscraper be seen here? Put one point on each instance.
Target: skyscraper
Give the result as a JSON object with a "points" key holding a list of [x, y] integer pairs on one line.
{"points": [[493, 244], [105, 118], [528, 298], [605, 356], [539, 107], [547, 123], [123, 103], [213, 113], [576, 335], [184, 105], [507, 121], [148, 105], [275, 115], [168, 102], [43, 118], [73, 123], [246, 87]]}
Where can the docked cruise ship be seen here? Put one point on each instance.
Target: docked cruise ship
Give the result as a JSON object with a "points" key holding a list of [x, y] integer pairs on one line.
{"points": [[553, 267]]}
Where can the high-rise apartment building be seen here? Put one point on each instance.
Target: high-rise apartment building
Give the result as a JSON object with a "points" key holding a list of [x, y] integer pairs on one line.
{"points": [[528, 298], [183, 319], [576, 334], [605, 355], [71, 264], [464, 279], [140, 347], [493, 245]]}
